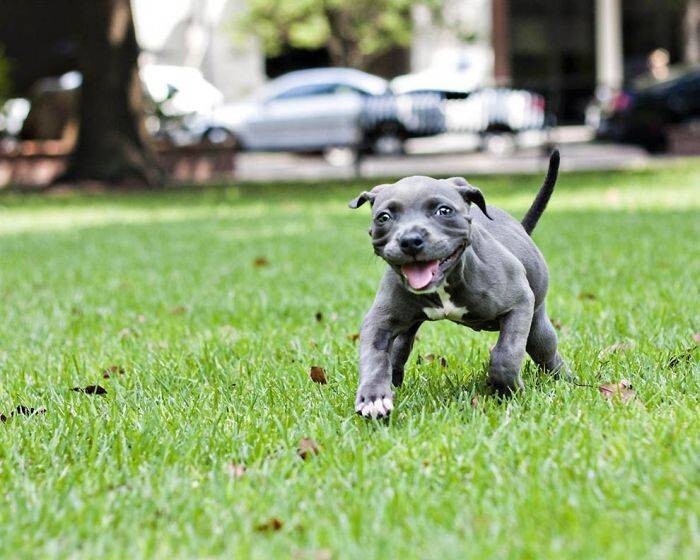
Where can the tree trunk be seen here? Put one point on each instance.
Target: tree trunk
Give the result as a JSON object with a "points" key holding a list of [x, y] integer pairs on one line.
{"points": [[112, 144]]}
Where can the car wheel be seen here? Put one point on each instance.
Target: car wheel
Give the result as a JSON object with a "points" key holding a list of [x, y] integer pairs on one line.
{"points": [[387, 140], [499, 143], [219, 136]]}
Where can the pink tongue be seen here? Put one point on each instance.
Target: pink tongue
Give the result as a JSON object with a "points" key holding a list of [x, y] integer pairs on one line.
{"points": [[420, 274]]}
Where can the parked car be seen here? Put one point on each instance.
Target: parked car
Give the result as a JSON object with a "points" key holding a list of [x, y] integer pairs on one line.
{"points": [[497, 115], [325, 108], [644, 113]]}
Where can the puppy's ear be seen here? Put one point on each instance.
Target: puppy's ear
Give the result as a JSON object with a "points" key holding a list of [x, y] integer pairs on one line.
{"points": [[365, 197], [470, 194], [360, 200]]}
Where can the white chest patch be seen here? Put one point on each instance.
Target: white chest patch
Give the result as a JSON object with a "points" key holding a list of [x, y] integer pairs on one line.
{"points": [[447, 310]]}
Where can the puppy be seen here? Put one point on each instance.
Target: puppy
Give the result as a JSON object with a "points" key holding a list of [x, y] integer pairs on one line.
{"points": [[479, 269]]}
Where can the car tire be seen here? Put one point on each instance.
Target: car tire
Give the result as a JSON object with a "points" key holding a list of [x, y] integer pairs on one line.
{"points": [[499, 143], [387, 140], [222, 137]]}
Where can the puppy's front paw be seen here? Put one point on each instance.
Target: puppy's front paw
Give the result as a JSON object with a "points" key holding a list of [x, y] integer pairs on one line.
{"points": [[374, 402]]}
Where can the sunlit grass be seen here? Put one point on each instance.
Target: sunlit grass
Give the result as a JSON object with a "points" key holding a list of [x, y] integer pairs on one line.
{"points": [[216, 352]]}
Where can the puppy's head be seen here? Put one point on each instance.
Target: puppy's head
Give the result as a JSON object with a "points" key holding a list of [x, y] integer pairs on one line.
{"points": [[421, 226]]}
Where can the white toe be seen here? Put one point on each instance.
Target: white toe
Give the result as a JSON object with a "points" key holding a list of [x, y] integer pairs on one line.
{"points": [[388, 405], [379, 407]]}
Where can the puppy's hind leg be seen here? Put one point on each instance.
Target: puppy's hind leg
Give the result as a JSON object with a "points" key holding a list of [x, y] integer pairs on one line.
{"points": [[400, 351], [542, 344]]}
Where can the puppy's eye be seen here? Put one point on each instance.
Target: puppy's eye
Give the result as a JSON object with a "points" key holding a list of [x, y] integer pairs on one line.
{"points": [[444, 211], [382, 218]]}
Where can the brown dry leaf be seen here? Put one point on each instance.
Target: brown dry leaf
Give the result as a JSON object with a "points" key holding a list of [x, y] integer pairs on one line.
{"points": [[236, 470], [319, 316], [307, 448], [112, 370], [590, 296], [272, 524], [684, 357], [696, 338], [475, 402], [557, 324], [91, 390], [429, 358], [318, 375], [23, 410], [354, 337], [621, 391], [260, 262], [178, 310], [617, 347]]}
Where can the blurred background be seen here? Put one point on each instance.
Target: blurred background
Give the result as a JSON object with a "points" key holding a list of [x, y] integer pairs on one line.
{"points": [[161, 91]]}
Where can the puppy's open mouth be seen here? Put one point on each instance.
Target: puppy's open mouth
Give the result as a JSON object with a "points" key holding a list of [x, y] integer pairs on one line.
{"points": [[422, 275]]}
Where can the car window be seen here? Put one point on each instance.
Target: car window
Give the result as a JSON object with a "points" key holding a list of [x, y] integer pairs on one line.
{"points": [[309, 90], [345, 88]]}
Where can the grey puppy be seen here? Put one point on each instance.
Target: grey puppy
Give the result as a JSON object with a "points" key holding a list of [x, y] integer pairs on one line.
{"points": [[482, 271]]}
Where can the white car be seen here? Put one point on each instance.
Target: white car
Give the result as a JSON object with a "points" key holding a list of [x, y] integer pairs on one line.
{"points": [[321, 109]]}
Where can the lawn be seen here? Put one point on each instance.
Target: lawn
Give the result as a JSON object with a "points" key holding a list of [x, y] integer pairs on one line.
{"points": [[208, 307]]}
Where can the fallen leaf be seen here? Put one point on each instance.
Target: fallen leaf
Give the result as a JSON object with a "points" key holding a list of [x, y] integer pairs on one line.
{"points": [[614, 348], [621, 391], [178, 310], [91, 390], [319, 316], [590, 296], [141, 318], [272, 524], [236, 470], [318, 375], [429, 358], [260, 261], [307, 448], [696, 338], [475, 402], [557, 324], [23, 410], [684, 357], [354, 337], [112, 370]]}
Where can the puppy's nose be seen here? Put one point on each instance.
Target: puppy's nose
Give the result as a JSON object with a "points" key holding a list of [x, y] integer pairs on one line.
{"points": [[411, 243]]}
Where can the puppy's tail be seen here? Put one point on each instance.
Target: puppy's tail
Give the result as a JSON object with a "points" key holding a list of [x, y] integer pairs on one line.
{"points": [[533, 214]]}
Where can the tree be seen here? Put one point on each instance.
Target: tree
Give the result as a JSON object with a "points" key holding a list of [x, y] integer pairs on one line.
{"points": [[112, 144], [355, 32]]}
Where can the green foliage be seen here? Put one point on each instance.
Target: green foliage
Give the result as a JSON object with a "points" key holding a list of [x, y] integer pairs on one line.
{"points": [[354, 32], [216, 354]]}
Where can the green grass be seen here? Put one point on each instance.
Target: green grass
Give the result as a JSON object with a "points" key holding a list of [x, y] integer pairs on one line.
{"points": [[216, 353]]}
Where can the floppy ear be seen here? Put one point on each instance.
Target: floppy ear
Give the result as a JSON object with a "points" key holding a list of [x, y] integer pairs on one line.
{"points": [[366, 196], [360, 200], [470, 194]]}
